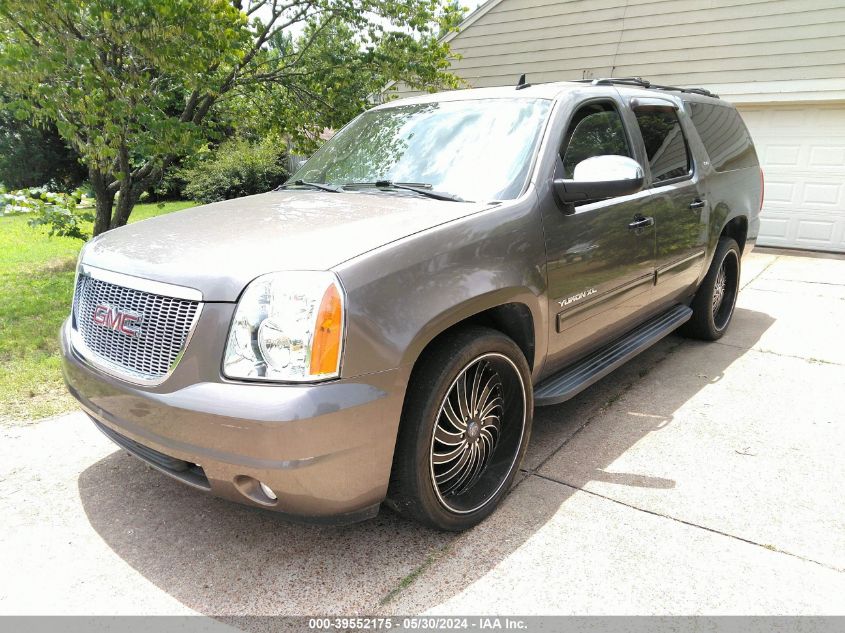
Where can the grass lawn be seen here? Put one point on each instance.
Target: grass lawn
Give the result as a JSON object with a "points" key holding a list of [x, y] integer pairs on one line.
{"points": [[36, 285]]}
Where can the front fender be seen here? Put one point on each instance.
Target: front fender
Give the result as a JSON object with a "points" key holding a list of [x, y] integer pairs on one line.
{"points": [[401, 296], [470, 306]]}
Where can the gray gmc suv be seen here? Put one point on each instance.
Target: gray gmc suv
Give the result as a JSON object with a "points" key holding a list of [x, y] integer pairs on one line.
{"points": [[381, 327]]}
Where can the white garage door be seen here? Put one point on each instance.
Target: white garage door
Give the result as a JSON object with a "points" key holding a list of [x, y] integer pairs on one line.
{"points": [[802, 150]]}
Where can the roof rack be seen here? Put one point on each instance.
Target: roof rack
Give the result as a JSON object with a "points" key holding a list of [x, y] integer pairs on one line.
{"points": [[644, 83]]}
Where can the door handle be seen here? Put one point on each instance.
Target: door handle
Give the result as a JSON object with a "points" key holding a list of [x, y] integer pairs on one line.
{"points": [[698, 203], [640, 223]]}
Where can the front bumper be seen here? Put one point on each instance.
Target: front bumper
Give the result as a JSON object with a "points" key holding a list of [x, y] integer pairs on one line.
{"points": [[325, 450]]}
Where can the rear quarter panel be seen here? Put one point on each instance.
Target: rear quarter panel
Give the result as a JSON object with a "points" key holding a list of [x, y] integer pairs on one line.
{"points": [[730, 194]]}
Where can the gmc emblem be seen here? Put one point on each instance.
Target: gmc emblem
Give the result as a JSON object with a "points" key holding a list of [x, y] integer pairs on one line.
{"points": [[128, 323]]}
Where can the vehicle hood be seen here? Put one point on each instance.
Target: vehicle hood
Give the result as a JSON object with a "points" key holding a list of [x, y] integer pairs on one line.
{"points": [[219, 248]]}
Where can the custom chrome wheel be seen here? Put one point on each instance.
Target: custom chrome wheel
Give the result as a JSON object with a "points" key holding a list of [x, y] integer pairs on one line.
{"points": [[477, 432], [714, 301], [719, 289], [725, 290], [465, 425]]}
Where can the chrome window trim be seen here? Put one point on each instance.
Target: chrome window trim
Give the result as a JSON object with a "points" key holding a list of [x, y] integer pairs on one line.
{"points": [[143, 285]]}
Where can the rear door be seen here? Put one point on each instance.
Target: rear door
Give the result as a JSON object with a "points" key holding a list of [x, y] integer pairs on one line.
{"points": [[681, 212], [600, 253]]}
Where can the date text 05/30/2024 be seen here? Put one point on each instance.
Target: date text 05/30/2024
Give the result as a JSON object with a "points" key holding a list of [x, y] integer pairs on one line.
{"points": [[419, 623]]}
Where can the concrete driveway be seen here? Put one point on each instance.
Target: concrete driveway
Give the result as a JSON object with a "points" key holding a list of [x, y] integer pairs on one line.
{"points": [[698, 479]]}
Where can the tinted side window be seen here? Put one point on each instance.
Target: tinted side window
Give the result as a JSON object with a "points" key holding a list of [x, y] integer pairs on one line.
{"points": [[724, 135], [668, 154], [595, 130]]}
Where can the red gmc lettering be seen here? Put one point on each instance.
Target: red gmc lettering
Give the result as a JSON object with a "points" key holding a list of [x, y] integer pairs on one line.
{"points": [[115, 320], [103, 315]]}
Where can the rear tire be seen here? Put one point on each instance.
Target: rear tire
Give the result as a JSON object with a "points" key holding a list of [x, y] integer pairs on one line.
{"points": [[464, 429], [713, 305]]}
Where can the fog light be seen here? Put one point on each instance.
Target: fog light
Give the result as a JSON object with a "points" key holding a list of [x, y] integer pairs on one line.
{"points": [[267, 491]]}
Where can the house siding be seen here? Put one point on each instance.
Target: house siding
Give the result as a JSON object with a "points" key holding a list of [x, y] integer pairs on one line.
{"points": [[783, 47]]}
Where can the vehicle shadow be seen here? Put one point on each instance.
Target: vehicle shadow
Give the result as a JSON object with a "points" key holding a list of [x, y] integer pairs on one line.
{"points": [[556, 430], [223, 559]]}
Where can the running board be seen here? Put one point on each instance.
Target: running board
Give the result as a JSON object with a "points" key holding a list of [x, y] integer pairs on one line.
{"points": [[575, 378]]}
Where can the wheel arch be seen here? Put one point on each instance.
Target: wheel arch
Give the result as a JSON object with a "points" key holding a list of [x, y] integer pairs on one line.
{"points": [[508, 311], [725, 222], [737, 228]]}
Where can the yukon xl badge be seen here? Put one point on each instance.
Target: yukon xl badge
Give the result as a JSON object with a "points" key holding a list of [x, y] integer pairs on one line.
{"points": [[127, 323], [581, 295]]}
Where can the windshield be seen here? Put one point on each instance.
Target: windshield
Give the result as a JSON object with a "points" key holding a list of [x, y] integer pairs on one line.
{"points": [[475, 149]]}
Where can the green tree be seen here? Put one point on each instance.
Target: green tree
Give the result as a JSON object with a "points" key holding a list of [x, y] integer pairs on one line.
{"points": [[31, 156], [133, 85]]}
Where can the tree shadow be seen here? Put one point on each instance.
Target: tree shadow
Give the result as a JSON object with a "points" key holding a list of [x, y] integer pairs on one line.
{"points": [[223, 559]]}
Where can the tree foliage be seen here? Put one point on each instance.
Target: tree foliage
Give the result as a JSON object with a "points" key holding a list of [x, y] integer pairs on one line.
{"points": [[63, 213], [133, 85]]}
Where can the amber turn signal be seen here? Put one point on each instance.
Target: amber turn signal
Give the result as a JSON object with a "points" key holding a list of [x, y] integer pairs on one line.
{"points": [[325, 351]]}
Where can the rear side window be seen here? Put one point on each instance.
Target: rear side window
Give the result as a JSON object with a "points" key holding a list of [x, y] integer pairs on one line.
{"points": [[724, 135], [665, 145]]}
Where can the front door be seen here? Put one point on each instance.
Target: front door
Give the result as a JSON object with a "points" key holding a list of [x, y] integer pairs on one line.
{"points": [[601, 254]]}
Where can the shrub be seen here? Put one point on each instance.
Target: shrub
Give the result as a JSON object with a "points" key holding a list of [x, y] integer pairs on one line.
{"points": [[170, 186], [63, 213], [236, 168]]}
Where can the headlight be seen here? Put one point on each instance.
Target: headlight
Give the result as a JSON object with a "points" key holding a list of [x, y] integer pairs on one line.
{"points": [[288, 327]]}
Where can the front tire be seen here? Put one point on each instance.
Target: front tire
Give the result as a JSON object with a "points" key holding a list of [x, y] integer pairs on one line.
{"points": [[714, 302], [464, 429]]}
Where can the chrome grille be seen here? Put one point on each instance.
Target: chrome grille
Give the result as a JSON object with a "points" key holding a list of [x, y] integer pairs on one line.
{"points": [[147, 354]]}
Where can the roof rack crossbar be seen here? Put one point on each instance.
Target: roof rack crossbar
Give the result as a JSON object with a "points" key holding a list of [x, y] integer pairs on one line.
{"points": [[644, 83]]}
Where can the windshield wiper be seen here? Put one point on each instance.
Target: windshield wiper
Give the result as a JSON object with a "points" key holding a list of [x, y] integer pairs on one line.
{"points": [[420, 188], [314, 185]]}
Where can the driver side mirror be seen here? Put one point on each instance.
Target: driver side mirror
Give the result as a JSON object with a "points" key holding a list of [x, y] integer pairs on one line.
{"points": [[600, 177]]}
